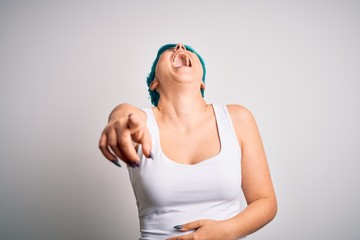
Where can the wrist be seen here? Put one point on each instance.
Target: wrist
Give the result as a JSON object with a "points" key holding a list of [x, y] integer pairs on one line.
{"points": [[229, 229]]}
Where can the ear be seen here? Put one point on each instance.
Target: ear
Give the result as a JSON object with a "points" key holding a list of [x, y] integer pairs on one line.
{"points": [[202, 85], [154, 84]]}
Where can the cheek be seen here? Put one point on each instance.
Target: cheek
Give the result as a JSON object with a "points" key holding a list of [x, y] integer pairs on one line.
{"points": [[197, 65], [199, 69], [161, 65]]}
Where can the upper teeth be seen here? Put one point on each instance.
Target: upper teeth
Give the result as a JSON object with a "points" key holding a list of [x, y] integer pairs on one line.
{"points": [[187, 59]]}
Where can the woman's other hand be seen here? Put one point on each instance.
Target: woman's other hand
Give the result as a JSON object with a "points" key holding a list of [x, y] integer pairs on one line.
{"points": [[205, 229]]}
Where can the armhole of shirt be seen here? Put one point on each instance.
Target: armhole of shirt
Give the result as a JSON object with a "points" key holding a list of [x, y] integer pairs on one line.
{"points": [[146, 110], [231, 126]]}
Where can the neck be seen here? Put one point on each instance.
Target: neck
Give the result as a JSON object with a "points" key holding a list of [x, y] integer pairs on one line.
{"points": [[182, 109]]}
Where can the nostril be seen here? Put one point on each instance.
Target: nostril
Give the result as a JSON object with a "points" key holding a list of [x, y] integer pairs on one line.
{"points": [[180, 46]]}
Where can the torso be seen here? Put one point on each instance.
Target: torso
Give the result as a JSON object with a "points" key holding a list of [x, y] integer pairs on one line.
{"points": [[170, 189]]}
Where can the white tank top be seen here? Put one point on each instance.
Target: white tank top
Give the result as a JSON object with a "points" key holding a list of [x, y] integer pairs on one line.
{"points": [[170, 193]]}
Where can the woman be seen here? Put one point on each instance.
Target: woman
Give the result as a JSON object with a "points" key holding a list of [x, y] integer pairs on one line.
{"points": [[188, 160]]}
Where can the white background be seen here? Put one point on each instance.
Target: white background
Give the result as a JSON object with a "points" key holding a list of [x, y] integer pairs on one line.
{"points": [[65, 64]]}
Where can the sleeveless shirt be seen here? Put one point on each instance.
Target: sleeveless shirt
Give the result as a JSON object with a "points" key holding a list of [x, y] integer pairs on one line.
{"points": [[169, 193]]}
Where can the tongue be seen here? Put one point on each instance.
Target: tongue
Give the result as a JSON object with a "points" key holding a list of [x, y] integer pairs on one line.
{"points": [[180, 61]]}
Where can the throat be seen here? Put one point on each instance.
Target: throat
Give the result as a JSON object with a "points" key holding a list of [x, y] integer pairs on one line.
{"points": [[185, 119]]}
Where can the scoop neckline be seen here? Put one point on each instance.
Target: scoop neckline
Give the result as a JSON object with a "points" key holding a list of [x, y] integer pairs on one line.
{"points": [[202, 162]]}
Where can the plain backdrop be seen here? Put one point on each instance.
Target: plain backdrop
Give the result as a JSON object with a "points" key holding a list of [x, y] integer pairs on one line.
{"points": [[64, 65]]}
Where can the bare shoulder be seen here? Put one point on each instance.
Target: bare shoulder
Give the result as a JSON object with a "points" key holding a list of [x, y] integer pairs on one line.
{"points": [[244, 123], [240, 114]]}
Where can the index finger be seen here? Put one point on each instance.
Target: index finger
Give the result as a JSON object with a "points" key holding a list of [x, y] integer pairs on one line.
{"points": [[134, 123]]}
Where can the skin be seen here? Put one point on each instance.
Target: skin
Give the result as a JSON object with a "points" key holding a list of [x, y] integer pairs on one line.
{"points": [[188, 135]]}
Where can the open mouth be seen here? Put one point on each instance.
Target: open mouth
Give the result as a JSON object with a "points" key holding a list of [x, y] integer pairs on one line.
{"points": [[181, 59]]}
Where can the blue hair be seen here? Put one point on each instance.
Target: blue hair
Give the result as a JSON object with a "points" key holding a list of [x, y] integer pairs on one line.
{"points": [[155, 96]]}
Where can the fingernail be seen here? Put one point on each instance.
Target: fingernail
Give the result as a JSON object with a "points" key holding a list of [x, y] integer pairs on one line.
{"points": [[178, 227], [151, 155], [137, 164], [116, 162]]}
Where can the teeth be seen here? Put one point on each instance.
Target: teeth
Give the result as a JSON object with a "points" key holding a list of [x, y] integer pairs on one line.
{"points": [[187, 59]]}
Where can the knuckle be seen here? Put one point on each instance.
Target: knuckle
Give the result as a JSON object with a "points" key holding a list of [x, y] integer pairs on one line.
{"points": [[101, 143], [102, 146], [116, 123]]}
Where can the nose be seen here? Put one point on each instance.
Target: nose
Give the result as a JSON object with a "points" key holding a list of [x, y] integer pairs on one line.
{"points": [[180, 46]]}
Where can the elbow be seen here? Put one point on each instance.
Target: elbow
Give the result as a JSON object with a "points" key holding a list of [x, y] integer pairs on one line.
{"points": [[268, 209], [272, 208]]}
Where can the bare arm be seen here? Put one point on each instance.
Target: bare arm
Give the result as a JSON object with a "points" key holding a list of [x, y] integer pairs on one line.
{"points": [[256, 180], [126, 126]]}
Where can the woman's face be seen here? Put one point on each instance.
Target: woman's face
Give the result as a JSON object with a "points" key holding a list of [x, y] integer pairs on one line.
{"points": [[180, 65]]}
